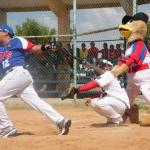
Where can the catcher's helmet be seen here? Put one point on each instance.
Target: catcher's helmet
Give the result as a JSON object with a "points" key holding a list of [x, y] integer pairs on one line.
{"points": [[104, 63]]}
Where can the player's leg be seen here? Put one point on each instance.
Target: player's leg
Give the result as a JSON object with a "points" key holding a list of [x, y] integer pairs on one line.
{"points": [[143, 80], [132, 89], [30, 97], [109, 107], [4, 94], [132, 115], [145, 89], [144, 83], [4, 120], [13, 82], [6, 126], [9, 86]]}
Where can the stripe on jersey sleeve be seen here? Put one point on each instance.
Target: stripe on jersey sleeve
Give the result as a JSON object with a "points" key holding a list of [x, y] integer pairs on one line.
{"points": [[26, 45], [138, 51]]}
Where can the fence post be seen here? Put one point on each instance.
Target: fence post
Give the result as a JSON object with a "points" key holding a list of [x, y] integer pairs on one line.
{"points": [[74, 43], [134, 11], [124, 45]]}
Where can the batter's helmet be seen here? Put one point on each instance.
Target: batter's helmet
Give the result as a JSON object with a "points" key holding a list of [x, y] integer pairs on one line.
{"points": [[7, 29]]}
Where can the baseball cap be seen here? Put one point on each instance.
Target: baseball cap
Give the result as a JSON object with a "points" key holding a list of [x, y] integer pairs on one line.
{"points": [[138, 16], [141, 16], [7, 29]]}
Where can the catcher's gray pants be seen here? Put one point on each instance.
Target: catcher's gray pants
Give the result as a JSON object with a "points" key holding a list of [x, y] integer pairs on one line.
{"points": [[139, 82], [109, 107], [19, 82]]}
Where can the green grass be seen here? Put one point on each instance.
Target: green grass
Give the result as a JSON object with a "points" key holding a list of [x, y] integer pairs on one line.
{"points": [[15, 103]]}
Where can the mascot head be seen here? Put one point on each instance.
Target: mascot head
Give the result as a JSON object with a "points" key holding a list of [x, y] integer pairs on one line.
{"points": [[134, 28]]}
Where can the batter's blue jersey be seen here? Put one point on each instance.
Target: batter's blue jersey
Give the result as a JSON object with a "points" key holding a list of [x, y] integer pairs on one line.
{"points": [[13, 54]]}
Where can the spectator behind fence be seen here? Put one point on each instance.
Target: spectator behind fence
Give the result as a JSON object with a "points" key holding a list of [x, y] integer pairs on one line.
{"points": [[111, 53], [60, 54], [118, 52], [69, 58], [92, 53], [103, 53], [69, 48], [83, 51], [63, 69], [77, 50]]}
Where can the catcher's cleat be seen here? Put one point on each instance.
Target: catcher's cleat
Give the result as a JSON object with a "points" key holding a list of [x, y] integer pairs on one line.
{"points": [[7, 132], [111, 124], [71, 92], [64, 126], [114, 122]]}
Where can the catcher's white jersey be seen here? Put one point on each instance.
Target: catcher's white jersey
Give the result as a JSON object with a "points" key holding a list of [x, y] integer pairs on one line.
{"points": [[111, 86]]}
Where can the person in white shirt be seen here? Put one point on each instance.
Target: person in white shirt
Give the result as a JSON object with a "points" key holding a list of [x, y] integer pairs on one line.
{"points": [[114, 103]]}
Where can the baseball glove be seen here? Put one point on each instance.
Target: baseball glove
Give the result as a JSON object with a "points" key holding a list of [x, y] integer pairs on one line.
{"points": [[70, 93]]}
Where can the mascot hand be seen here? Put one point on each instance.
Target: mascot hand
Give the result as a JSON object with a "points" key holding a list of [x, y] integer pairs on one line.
{"points": [[120, 70]]}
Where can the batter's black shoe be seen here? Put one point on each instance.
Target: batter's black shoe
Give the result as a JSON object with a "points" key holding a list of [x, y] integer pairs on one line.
{"points": [[7, 132], [64, 126]]}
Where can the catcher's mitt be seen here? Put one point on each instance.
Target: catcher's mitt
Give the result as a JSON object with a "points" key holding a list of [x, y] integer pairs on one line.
{"points": [[70, 93]]}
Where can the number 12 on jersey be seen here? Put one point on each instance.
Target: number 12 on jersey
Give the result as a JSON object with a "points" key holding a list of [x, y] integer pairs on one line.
{"points": [[5, 63]]}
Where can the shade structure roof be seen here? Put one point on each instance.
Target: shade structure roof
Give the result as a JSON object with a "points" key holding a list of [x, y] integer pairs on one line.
{"points": [[38, 5]]}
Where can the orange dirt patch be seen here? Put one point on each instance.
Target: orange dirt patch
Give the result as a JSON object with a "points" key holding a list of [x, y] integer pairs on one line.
{"points": [[87, 133]]}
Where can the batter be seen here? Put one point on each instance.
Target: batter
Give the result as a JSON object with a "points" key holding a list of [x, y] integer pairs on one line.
{"points": [[18, 81]]}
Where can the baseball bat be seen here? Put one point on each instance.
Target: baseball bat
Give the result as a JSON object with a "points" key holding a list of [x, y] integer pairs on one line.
{"points": [[85, 63]]}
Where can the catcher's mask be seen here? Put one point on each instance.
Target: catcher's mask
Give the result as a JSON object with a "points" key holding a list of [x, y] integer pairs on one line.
{"points": [[105, 64]]}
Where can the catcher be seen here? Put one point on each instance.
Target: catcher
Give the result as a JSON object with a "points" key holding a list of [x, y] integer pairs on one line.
{"points": [[113, 104]]}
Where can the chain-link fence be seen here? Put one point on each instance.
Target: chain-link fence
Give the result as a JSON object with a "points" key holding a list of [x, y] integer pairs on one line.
{"points": [[53, 72], [89, 32]]}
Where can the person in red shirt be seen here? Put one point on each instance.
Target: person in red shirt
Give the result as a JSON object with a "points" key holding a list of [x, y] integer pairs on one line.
{"points": [[104, 51], [92, 52], [118, 54], [118, 50], [111, 53]]}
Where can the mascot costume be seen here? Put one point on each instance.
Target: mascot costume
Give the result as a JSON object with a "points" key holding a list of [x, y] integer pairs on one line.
{"points": [[136, 63]]}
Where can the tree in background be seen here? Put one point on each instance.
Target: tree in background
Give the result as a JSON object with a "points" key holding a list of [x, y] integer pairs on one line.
{"points": [[37, 65], [148, 33], [32, 28]]}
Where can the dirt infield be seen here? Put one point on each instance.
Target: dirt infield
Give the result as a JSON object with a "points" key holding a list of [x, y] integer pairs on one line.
{"points": [[87, 132]]}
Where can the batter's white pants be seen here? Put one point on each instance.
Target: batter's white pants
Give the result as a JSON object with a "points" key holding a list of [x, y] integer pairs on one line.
{"points": [[139, 81], [109, 107], [19, 82]]}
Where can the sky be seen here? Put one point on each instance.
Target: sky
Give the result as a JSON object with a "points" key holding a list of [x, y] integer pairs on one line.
{"points": [[87, 20]]}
